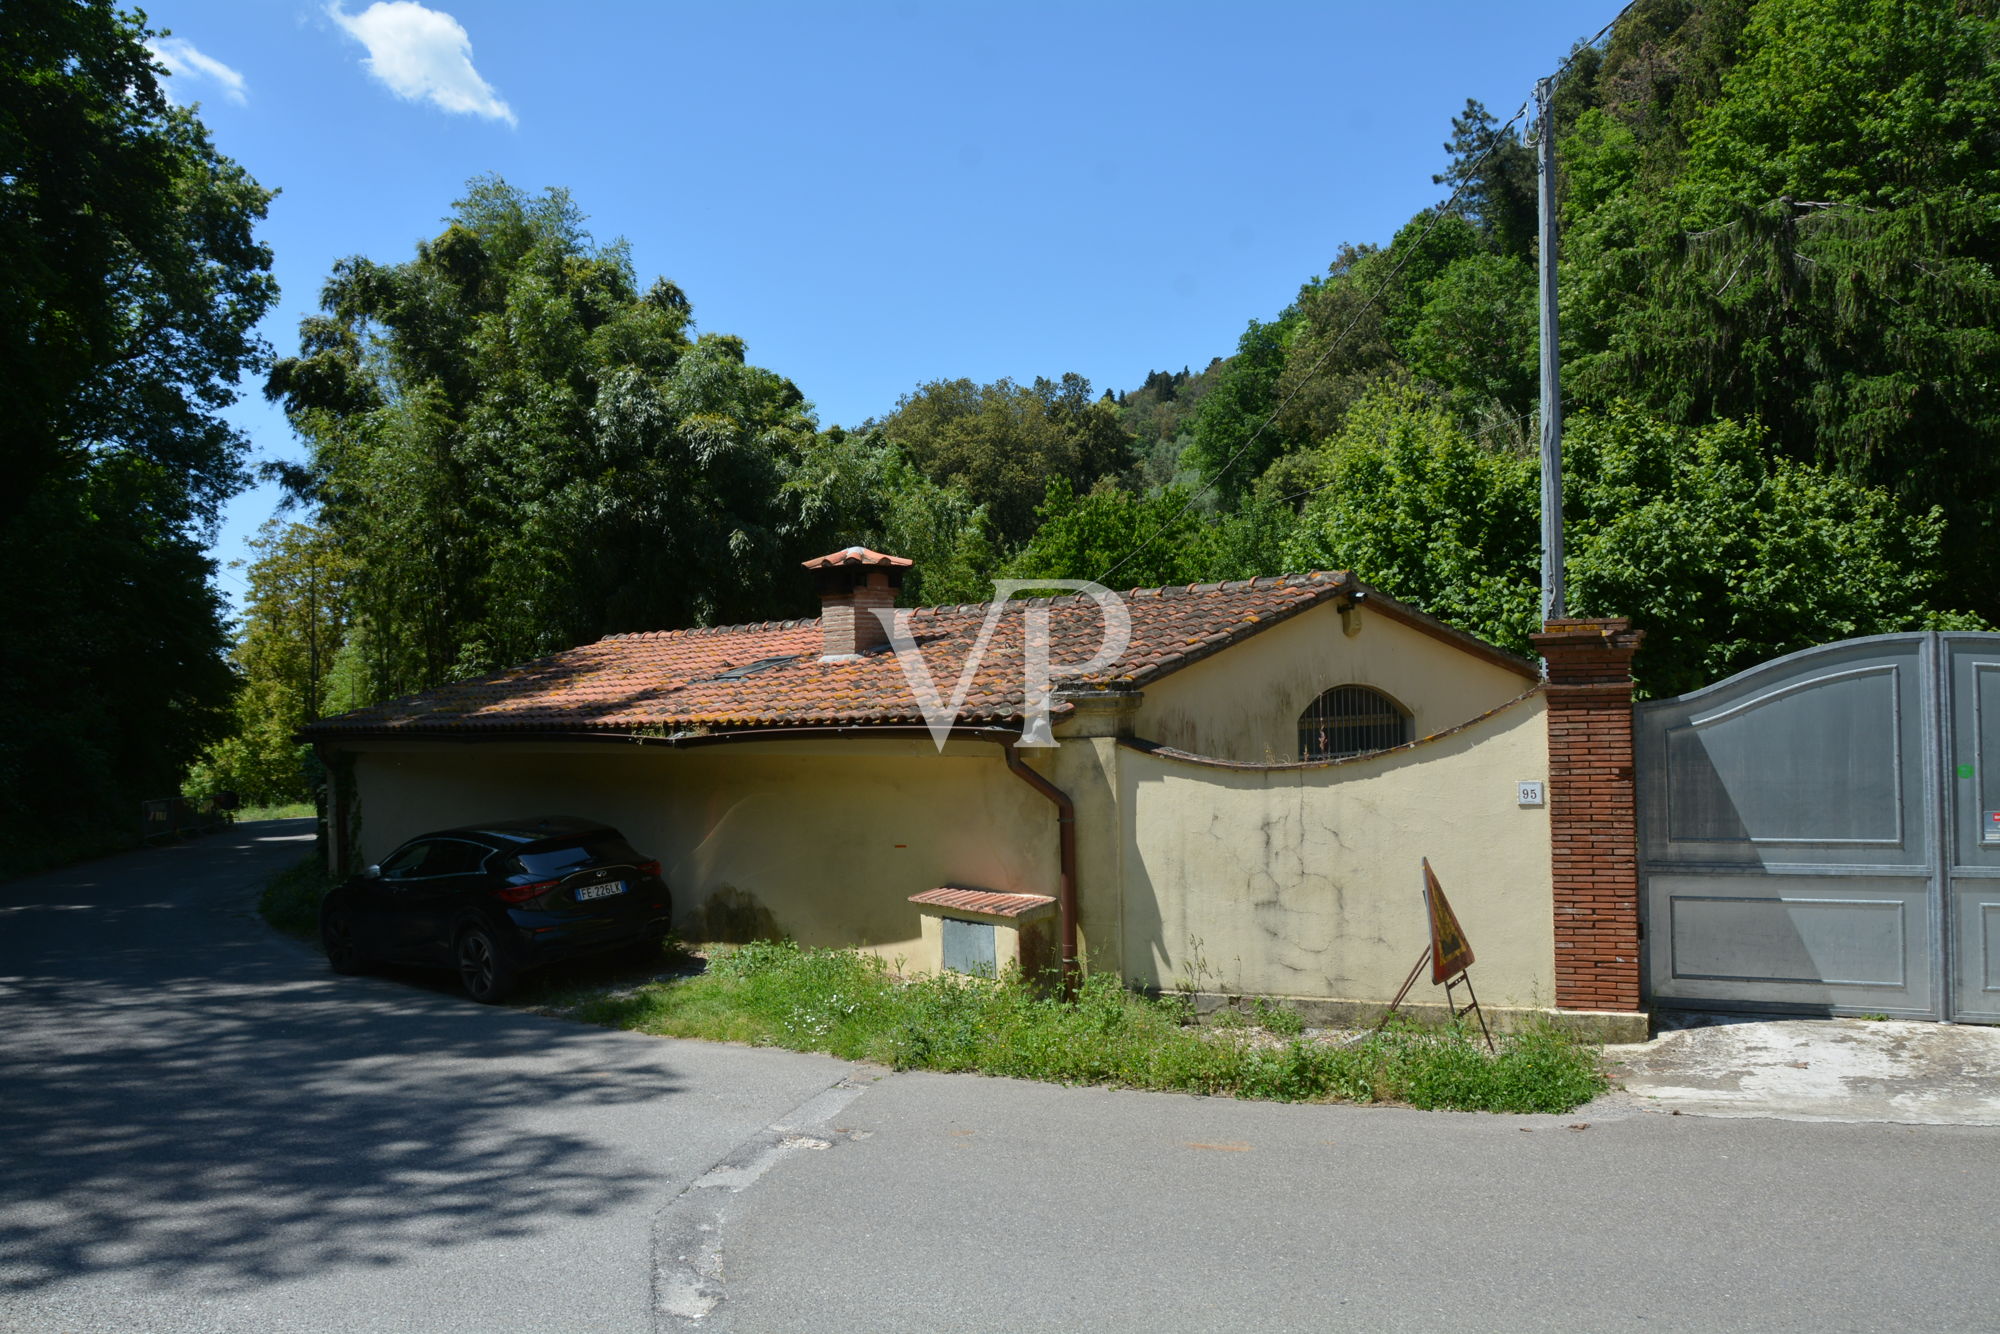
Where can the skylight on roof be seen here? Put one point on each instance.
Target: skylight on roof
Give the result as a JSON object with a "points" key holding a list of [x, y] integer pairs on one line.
{"points": [[752, 668]]}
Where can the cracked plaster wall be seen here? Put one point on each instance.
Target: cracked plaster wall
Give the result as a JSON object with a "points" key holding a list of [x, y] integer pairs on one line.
{"points": [[1307, 882]]}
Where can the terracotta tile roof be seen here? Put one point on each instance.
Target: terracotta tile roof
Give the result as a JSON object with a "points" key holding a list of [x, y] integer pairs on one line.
{"points": [[982, 900], [769, 674]]}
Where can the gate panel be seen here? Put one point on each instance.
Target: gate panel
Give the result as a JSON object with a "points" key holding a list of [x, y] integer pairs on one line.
{"points": [[1814, 761], [1973, 782], [1788, 827], [1857, 942]]}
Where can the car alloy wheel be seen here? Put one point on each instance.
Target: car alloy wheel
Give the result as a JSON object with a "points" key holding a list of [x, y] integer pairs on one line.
{"points": [[343, 952], [482, 970]]}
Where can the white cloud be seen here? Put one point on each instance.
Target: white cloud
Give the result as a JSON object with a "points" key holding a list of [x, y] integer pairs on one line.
{"points": [[185, 60], [422, 53]]}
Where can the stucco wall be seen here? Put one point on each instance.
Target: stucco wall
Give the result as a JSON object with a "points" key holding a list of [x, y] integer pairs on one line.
{"points": [[1307, 882], [823, 841], [1244, 704], [1299, 882]]}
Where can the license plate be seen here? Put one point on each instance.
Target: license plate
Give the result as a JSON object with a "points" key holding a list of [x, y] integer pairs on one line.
{"points": [[603, 891]]}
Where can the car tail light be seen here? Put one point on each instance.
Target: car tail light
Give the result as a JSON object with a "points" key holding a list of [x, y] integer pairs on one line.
{"points": [[650, 868], [522, 893]]}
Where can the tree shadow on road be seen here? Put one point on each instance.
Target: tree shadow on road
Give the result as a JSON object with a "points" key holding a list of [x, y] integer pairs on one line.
{"points": [[199, 1105]]}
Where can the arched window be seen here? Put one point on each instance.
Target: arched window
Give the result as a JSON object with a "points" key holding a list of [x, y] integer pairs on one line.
{"points": [[1351, 720]]}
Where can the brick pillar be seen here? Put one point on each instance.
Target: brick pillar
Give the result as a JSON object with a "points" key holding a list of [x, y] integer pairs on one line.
{"points": [[1593, 811]]}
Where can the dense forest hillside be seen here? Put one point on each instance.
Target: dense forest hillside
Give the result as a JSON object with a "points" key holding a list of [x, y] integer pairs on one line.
{"points": [[1780, 333]]}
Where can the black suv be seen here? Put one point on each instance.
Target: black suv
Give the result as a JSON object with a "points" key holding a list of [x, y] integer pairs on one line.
{"points": [[493, 900]]}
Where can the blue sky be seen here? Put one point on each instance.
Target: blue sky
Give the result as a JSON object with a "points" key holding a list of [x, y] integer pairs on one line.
{"points": [[872, 196]]}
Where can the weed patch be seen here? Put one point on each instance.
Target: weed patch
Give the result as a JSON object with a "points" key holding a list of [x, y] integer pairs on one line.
{"points": [[847, 1004], [291, 901], [288, 810]]}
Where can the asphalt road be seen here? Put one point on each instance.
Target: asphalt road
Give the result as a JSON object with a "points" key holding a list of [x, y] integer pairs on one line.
{"points": [[208, 1132]]}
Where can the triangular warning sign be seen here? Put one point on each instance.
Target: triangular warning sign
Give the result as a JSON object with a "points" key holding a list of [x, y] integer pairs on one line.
{"points": [[1451, 953]]}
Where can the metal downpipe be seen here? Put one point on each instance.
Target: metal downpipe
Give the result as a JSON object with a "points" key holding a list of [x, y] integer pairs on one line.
{"points": [[1066, 845]]}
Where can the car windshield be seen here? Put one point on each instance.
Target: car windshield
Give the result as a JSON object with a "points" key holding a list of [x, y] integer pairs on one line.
{"points": [[565, 858]]}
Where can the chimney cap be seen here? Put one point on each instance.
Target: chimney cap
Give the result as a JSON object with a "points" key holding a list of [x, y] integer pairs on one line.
{"points": [[861, 556]]}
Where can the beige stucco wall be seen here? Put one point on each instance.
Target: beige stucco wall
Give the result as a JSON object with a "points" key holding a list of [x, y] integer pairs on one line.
{"points": [[1299, 882], [822, 841], [1244, 703], [1307, 882]]}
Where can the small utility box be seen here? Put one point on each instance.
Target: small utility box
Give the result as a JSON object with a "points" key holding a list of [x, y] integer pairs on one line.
{"points": [[979, 932]]}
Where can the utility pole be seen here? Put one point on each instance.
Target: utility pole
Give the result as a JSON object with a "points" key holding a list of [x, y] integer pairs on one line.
{"points": [[1552, 429]]}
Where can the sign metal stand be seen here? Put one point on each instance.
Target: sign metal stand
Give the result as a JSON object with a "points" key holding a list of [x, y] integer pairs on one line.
{"points": [[1450, 956]]}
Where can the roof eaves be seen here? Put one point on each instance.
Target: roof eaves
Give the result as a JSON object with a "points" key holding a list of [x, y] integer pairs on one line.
{"points": [[1424, 623], [1326, 584]]}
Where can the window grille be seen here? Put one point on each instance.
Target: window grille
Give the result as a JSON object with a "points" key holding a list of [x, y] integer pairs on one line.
{"points": [[1351, 720]]}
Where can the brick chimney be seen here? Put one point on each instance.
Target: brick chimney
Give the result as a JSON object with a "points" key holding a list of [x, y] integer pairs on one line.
{"points": [[852, 584]]}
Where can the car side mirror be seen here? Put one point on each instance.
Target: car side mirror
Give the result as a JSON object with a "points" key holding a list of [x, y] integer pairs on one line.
{"points": [[372, 873]]}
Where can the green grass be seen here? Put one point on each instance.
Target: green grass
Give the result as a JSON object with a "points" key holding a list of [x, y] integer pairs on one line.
{"points": [[289, 810], [291, 901], [846, 1004]]}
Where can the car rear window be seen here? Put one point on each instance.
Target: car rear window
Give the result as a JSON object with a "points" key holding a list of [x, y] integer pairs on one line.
{"points": [[562, 859]]}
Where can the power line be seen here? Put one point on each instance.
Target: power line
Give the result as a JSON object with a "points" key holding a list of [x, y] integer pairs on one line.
{"points": [[1438, 215]]}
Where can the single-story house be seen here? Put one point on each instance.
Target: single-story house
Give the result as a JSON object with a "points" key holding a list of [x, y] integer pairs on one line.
{"points": [[1235, 798]]}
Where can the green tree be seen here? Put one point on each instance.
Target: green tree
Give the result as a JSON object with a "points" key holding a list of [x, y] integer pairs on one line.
{"points": [[858, 488], [295, 619], [1477, 337], [1820, 253], [130, 277], [1659, 67], [1160, 415], [1002, 443], [1779, 212], [1493, 175], [522, 451], [1232, 441], [1437, 304], [1411, 503], [130, 284], [1724, 557], [1152, 540]]}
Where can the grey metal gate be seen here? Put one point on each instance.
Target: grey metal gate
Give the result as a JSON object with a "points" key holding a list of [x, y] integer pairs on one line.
{"points": [[1822, 833]]}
